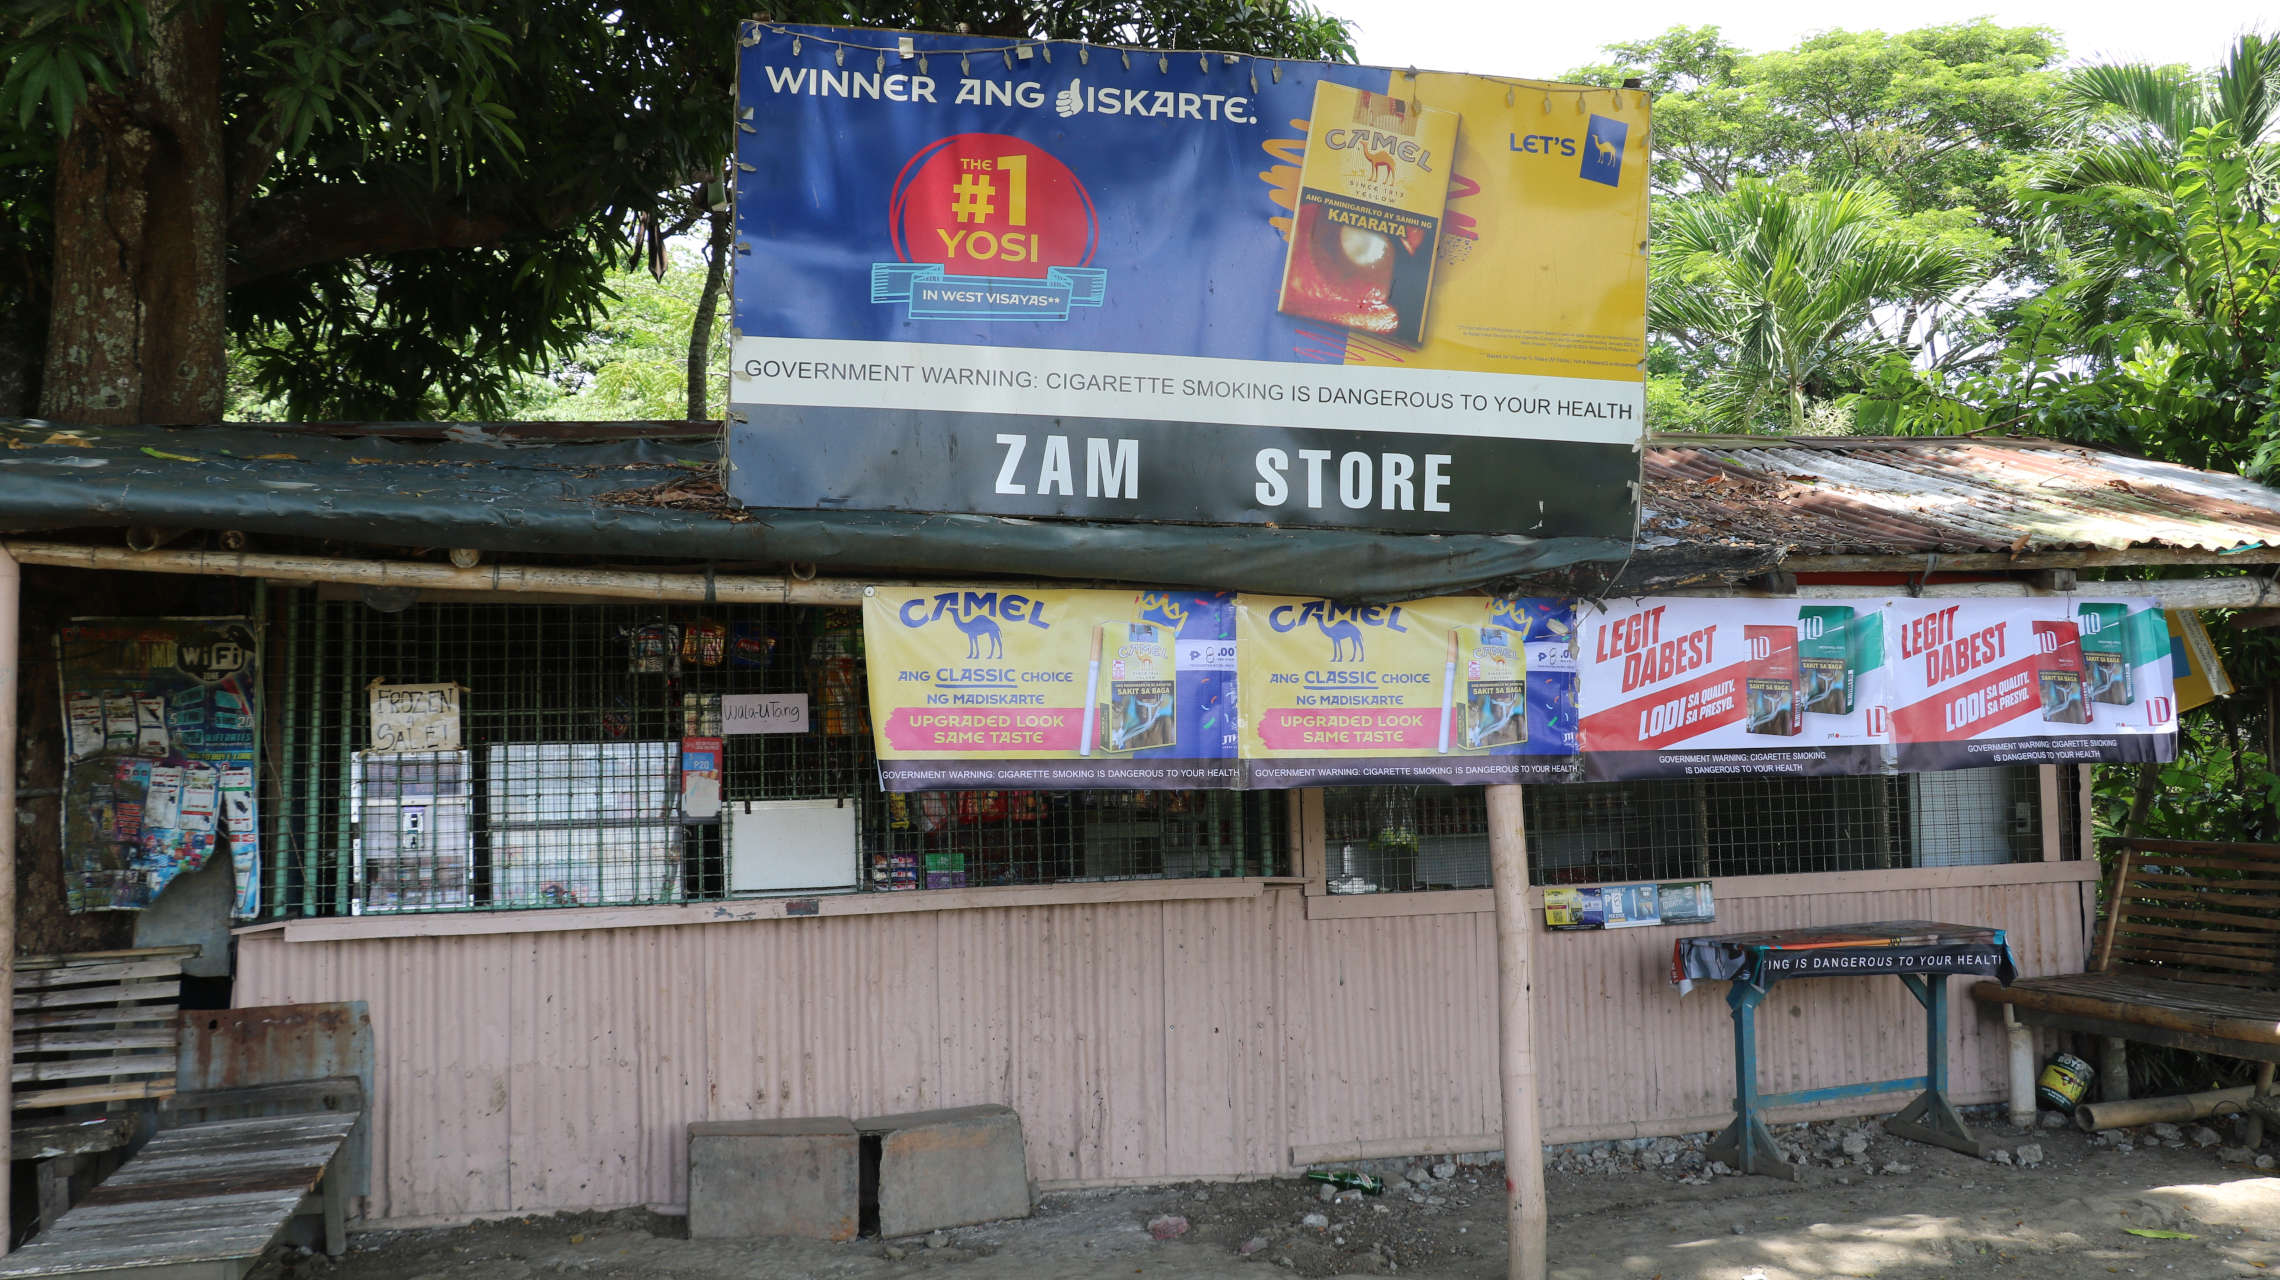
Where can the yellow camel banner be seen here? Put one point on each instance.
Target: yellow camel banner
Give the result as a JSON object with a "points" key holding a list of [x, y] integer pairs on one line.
{"points": [[989, 687], [1468, 689]]}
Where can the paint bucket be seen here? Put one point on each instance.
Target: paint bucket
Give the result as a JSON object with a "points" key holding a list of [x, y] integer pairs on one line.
{"points": [[2064, 1082]]}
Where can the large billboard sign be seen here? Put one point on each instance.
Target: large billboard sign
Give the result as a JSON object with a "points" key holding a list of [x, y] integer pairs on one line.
{"points": [[1052, 279]]}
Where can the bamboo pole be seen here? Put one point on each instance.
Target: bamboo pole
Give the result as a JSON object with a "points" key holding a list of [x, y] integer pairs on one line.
{"points": [[1523, 1127], [2235, 592], [2128, 1113], [11, 618], [613, 584]]}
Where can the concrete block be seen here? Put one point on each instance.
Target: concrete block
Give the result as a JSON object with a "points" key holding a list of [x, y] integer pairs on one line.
{"points": [[775, 1178], [949, 1168]]}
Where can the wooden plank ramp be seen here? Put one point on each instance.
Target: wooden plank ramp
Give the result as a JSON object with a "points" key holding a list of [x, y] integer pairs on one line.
{"points": [[199, 1203]]}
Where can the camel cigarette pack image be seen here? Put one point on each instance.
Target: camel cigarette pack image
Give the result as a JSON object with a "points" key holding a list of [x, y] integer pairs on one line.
{"points": [[1138, 693], [2107, 659], [1772, 682], [1825, 658], [1495, 672], [1367, 224], [2059, 673]]}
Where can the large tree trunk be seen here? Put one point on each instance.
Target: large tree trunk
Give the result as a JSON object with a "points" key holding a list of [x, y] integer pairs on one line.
{"points": [[135, 329]]}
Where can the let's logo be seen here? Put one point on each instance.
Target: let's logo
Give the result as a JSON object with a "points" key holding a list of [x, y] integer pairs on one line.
{"points": [[982, 615], [1603, 150]]}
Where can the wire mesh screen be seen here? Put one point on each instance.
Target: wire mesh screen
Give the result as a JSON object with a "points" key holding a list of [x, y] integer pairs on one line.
{"points": [[597, 761], [1399, 838]]}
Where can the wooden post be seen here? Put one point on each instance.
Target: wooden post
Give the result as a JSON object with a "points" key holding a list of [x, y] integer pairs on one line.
{"points": [[11, 618], [1523, 1130]]}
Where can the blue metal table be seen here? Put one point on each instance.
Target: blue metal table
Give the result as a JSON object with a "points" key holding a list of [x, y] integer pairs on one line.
{"points": [[1920, 953]]}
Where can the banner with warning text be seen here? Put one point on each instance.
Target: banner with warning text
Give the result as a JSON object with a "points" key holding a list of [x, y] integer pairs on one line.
{"points": [[1467, 690], [983, 688], [1701, 688], [1053, 279], [1051, 690]]}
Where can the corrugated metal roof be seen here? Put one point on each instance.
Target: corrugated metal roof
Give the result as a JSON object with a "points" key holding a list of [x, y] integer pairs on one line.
{"points": [[1875, 496]]}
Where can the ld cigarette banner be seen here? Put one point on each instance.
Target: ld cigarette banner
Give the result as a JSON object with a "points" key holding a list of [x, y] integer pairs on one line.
{"points": [[1057, 279], [1051, 690], [1465, 690], [1706, 687], [1675, 687], [2029, 682]]}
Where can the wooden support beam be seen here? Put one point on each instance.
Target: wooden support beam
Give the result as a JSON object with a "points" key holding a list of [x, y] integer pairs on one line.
{"points": [[1524, 1211]]}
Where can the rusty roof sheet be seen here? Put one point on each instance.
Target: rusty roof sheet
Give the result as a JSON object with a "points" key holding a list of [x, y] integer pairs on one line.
{"points": [[1878, 496]]}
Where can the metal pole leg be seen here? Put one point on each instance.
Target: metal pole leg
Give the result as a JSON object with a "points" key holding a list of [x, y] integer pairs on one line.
{"points": [[1929, 1118], [1747, 1144]]}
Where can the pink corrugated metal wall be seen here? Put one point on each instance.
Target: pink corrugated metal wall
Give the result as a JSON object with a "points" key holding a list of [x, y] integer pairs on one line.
{"points": [[540, 1071]]}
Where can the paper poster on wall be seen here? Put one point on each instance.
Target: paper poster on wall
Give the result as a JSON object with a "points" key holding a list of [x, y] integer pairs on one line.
{"points": [[1051, 689], [1461, 689], [160, 720], [1698, 688]]}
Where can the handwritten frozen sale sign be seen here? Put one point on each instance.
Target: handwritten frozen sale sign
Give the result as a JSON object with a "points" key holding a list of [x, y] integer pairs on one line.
{"points": [[1062, 280]]}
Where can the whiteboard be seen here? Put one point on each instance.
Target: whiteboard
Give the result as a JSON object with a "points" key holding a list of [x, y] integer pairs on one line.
{"points": [[780, 845]]}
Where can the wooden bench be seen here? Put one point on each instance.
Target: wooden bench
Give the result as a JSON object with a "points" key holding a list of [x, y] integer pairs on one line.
{"points": [[2188, 956], [201, 1202], [95, 1045]]}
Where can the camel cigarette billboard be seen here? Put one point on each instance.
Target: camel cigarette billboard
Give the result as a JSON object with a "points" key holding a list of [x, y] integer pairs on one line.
{"points": [[1055, 279]]}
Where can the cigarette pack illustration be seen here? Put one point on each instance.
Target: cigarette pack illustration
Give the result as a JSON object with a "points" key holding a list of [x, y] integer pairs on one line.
{"points": [[2106, 656], [1496, 687], [1825, 657], [1138, 699], [1774, 694], [1367, 226], [2059, 673], [1573, 909]]}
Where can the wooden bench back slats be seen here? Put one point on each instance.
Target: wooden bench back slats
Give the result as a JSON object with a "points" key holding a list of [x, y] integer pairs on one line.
{"points": [[2242, 943], [101, 1027], [2194, 911]]}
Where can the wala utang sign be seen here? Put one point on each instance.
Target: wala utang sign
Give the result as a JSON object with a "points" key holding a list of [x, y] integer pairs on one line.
{"points": [[1069, 280]]}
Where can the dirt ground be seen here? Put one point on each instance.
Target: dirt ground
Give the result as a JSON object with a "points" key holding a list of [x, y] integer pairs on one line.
{"points": [[2054, 1205]]}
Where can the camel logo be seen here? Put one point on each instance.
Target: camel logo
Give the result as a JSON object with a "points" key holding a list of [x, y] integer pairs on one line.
{"points": [[1381, 149], [1342, 623], [980, 614], [1381, 165], [1603, 150]]}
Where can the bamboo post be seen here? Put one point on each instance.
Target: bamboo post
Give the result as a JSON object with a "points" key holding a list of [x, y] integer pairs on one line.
{"points": [[11, 617], [1515, 938]]}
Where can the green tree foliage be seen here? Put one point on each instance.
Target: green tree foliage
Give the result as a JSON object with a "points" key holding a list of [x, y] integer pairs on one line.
{"points": [[1933, 116], [2162, 332], [1783, 290], [426, 200], [634, 363], [1913, 136]]}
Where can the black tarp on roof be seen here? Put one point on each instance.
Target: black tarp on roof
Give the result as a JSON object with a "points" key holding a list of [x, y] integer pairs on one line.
{"points": [[647, 491]]}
